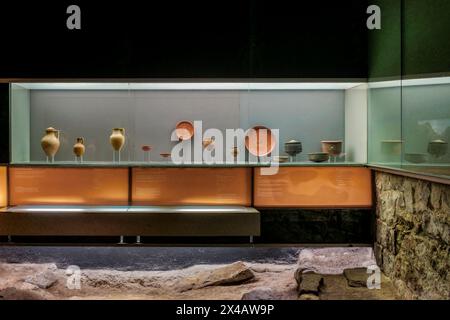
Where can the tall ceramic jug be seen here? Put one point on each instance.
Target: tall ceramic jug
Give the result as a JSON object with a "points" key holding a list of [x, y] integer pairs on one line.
{"points": [[79, 147], [117, 138], [50, 142]]}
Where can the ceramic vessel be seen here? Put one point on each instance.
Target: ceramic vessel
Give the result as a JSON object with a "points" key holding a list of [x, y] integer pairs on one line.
{"points": [[184, 130], [318, 156], [79, 148], [165, 155], [260, 141], [416, 157], [281, 159], [50, 142], [208, 143], [293, 148], [234, 152], [117, 138], [437, 148], [332, 147], [391, 147]]}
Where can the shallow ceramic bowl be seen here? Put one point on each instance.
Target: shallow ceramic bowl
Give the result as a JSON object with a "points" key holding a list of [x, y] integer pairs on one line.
{"points": [[184, 130], [165, 154], [281, 159], [416, 157], [260, 141], [318, 156]]}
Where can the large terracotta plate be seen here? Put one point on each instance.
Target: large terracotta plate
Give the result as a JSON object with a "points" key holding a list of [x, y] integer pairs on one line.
{"points": [[184, 130], [259, 143]]}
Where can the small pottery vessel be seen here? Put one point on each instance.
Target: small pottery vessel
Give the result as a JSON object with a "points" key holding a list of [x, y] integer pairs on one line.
{"points": [[50, 142], [79, 148], [293, 148], [234, 152], [281, 159], [165, 155], [208, 142], [146, 149], [184, 130], [416, 157], [437, 148], [332, 147], [318, 156], [260, 141], [117, 138], [391, 147]]}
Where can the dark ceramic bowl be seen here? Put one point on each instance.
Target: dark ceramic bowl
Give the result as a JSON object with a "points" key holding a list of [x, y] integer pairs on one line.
{"points": [[416, 157], [293, 148], [318, 156]]}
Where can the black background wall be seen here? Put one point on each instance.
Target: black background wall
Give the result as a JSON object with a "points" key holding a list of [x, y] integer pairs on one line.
{"points": [[413, 40], [177, 39]]}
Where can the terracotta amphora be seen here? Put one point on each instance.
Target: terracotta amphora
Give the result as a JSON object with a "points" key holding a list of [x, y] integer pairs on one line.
{"points": [[79, 148], [50, 142], [117, 138]]}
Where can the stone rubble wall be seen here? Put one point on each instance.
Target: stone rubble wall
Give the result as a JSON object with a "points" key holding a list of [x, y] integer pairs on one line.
{"points": [[413, 235]]}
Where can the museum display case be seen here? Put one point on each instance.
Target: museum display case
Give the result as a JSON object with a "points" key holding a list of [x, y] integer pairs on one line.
{"points": [[409, 125], [126, 124], [120, 158]]}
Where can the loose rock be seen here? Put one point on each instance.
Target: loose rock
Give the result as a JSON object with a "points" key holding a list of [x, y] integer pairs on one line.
{"points": [[262, 293], [308, 281], [235, 273], [43, 280], [356, 277]]}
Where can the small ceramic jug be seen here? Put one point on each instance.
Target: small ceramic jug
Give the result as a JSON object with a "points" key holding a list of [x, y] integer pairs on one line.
{"points": [[50, 142], [234, 152], [79, 148], [117, 138]]}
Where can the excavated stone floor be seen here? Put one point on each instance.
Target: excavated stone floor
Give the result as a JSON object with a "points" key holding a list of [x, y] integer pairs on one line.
{"points": [[286, 274]]}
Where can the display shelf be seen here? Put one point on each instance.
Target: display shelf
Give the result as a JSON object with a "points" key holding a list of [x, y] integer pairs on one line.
{"points": [[165, 164]]}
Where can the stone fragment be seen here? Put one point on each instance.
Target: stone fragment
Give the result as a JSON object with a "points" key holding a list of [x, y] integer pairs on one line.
{"points": [[231, 274], [17, 294], [43, 280], [308, 281], [308, 296], [262, 293], [356, 277]]}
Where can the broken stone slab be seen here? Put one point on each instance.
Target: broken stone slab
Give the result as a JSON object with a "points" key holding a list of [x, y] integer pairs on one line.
{"points": [[308, 281], [43, 280], [262, 293], [356, 277], [17, 294], [235, 273], [308, 296]]}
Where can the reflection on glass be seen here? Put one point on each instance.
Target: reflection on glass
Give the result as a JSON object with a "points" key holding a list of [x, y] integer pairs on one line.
{"points": [[409, 125]]}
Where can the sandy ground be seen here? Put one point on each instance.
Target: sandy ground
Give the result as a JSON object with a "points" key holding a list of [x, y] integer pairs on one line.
{"points": [[47, 281]]}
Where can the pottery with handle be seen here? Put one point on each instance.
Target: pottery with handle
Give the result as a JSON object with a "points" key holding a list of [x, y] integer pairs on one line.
{"points": [[79, 148], [234, 152], [50, 142], [332, 147], [117, 138]]}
